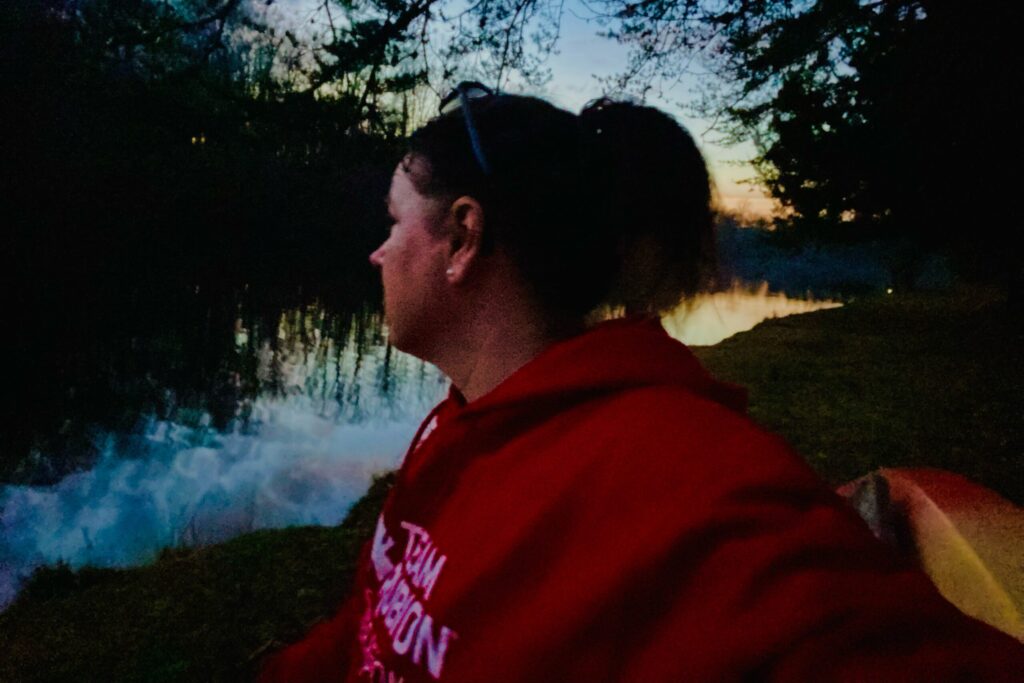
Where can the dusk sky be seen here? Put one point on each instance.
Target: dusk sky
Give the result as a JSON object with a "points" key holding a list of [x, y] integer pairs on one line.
{"points": [[583, 57]]}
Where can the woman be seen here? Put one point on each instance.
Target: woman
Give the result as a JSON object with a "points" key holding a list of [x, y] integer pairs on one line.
{"points": [[589, 504]]}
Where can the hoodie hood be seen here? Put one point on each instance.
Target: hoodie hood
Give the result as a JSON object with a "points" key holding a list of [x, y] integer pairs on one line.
{"points": [[612, 356]]}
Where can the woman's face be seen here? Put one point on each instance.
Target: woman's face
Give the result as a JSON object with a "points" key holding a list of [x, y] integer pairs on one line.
{"points": [[412, 262]]}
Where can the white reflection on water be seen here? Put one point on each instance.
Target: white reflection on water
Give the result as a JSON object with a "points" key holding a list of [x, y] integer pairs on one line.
{"points": [[713, 317], [334, 413], [330, 417], [299, 468]]}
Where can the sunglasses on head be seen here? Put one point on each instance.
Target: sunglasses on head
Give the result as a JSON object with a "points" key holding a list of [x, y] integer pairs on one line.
{"points": [[460, 98]]}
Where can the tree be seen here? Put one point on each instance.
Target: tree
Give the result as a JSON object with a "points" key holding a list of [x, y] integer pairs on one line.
{"points": [[870, 117], [167, 160]]}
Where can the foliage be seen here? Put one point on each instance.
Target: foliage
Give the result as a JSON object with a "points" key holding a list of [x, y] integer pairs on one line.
{"points": [[870, 117], [171, 163], [163, 161]]}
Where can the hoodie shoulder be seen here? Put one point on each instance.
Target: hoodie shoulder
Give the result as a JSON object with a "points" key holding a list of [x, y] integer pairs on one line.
{"points": [[674, 436]]}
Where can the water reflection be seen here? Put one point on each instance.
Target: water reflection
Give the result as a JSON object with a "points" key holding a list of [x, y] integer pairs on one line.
{"points": [[713, 317], [179, 485], [338, 367], [307, 406]]}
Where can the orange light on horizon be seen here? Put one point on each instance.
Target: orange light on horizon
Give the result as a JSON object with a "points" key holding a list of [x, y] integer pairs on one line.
{"points": [[752, 206]]}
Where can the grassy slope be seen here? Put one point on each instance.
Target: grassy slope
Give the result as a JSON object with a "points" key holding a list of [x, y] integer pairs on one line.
{"points": [[924, 380]]}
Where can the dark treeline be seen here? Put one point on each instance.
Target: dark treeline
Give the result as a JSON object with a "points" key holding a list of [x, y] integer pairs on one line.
{"points": [[158, 184], [879, 120], [171, 167]]}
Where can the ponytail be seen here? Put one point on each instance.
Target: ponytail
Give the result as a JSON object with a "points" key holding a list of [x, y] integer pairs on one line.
{"points": [[650, 188]]}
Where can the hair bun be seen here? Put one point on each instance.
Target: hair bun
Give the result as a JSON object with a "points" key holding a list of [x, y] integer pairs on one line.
{"points": [[650, 189]]}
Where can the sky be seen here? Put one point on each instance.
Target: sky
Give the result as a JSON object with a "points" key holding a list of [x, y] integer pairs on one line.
{"points": [[582, 57]]}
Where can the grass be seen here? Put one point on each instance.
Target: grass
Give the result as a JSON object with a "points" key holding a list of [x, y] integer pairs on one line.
{"points": [[896, 381], [909, 381]]}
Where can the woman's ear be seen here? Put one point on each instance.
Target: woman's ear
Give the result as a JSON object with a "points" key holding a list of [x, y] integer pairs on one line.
{"points": [[467, 237]]}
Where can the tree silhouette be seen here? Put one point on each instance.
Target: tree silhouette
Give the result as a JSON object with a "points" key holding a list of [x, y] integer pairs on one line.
{"points": [[170, 166], [870, 118]]}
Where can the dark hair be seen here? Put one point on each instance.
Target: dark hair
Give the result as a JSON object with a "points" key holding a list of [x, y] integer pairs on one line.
{"points": [[607, 207], [648, 180]]}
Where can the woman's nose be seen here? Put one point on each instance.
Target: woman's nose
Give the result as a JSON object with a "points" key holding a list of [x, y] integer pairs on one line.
{"points": [[375, 256]]}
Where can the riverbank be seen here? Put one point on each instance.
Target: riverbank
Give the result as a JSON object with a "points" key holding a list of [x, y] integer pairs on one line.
{"points": [[895, 381]]}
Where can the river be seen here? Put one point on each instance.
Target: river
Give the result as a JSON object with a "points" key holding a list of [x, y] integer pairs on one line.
{"points": [[310, 409]]}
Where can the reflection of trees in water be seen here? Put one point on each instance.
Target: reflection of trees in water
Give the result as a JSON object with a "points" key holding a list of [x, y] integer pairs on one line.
{"points": [[339, 364], [156, 192], [203, 360]]}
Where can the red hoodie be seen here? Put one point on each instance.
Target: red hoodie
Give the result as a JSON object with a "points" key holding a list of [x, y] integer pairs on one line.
{"points": [[608, 514]]}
